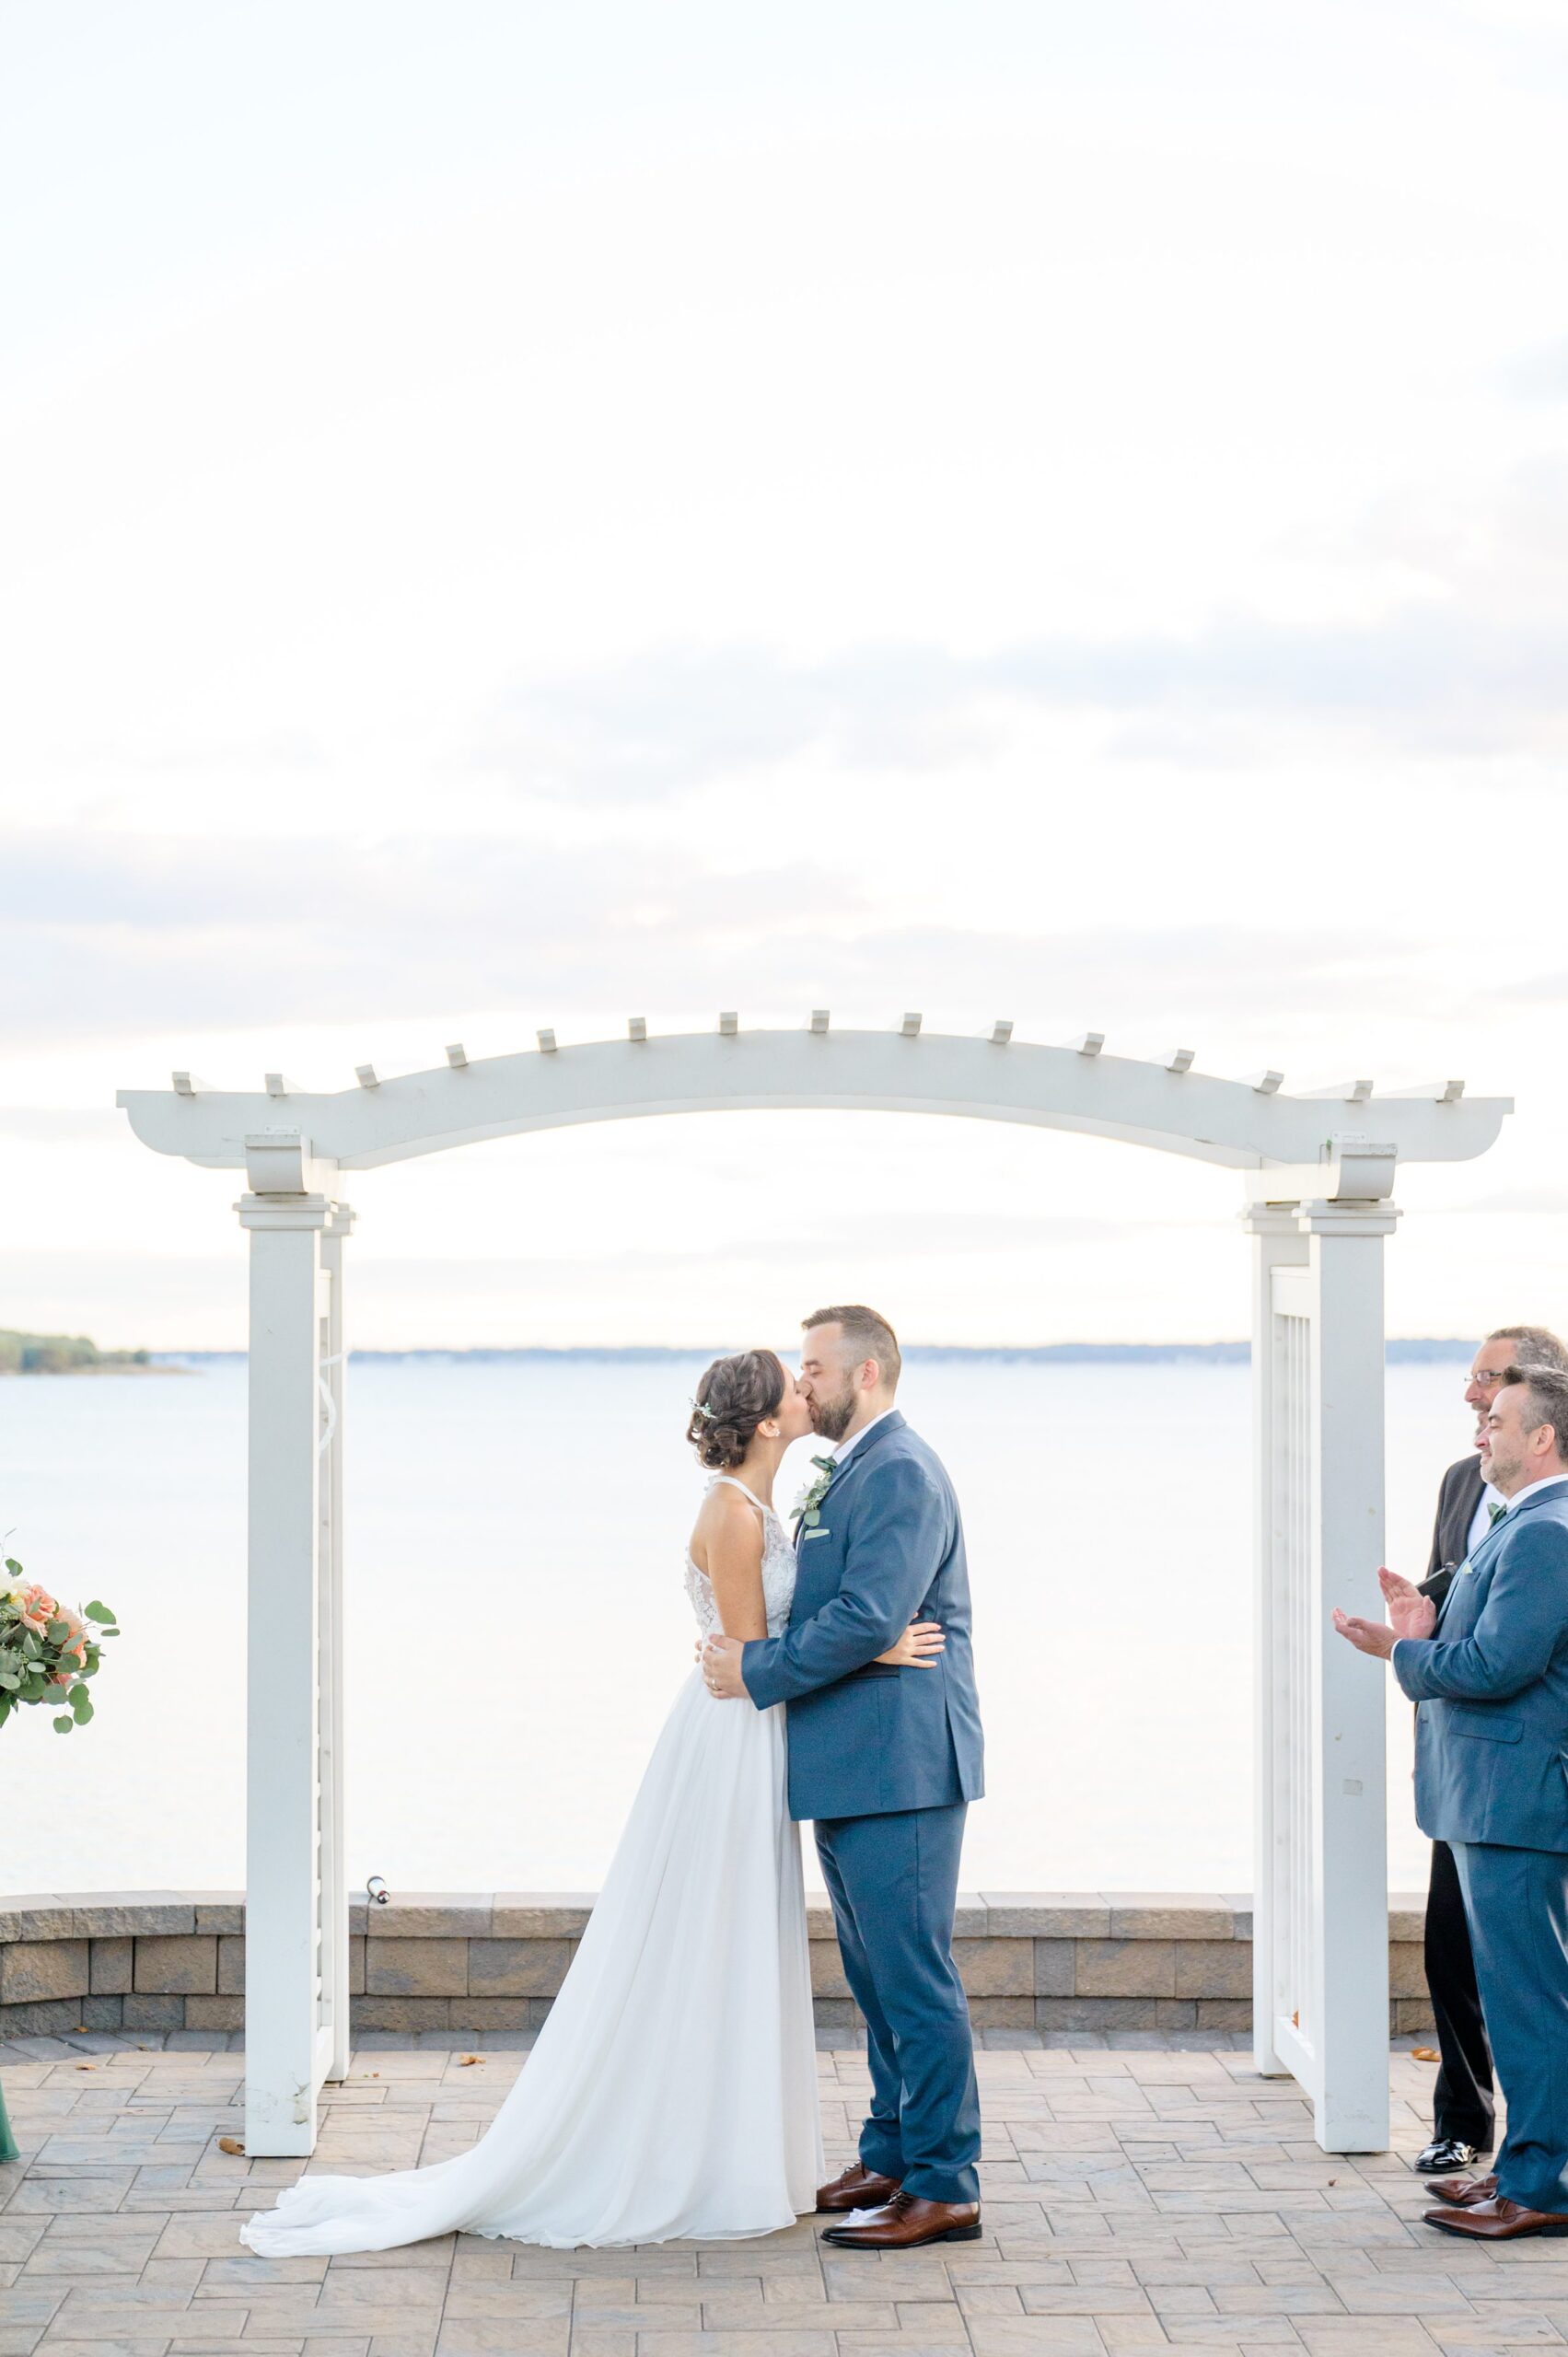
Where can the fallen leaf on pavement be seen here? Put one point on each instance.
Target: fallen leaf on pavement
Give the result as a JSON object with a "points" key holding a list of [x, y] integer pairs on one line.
{"points": [[231, 2144]]}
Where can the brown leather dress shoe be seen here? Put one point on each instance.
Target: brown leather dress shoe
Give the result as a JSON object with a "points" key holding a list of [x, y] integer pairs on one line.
{"points": [[1462, 2192], [1496, 2221], [905, 2223], [857, 2189]]}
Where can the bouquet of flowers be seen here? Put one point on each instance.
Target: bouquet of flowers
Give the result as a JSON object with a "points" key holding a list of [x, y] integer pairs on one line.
{"points": [[47, 1653]]}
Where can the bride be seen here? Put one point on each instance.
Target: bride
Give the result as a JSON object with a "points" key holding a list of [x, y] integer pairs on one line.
{"points": [[672, 2090]]}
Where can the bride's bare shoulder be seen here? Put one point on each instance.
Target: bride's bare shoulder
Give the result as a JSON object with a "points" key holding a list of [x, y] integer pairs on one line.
{"points": [[727, 1525]]}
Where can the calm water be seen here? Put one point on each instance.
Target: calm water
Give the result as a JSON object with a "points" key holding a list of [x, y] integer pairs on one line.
{"points": [[533, 1518]]}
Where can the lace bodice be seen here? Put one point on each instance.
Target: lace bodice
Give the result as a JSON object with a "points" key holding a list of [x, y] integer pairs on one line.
{"points": [[778, 1570]]}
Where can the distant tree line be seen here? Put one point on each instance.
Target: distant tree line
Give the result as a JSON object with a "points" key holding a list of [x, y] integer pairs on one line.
{"points": [[61, 1355]]}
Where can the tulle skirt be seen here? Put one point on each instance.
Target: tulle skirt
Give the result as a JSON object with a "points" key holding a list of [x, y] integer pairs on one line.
{"points": [[673, 2089]]}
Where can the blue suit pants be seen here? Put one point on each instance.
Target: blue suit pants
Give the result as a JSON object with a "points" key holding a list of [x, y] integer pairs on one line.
{"points": [[894, 1883], [1517, 1901]]}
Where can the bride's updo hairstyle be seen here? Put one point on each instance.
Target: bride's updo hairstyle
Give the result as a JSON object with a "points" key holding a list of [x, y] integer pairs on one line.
{"points": [[733, 1398]]}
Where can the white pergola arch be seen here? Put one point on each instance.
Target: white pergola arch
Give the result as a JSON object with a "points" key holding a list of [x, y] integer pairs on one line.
{"points": [[1318, 1178]]}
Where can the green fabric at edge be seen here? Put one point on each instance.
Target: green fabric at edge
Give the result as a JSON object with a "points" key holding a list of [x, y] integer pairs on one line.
{"points": [[7, 2141]]}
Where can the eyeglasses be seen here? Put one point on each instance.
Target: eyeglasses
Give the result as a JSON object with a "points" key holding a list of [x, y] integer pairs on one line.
{"points": [[1488, 1374]]}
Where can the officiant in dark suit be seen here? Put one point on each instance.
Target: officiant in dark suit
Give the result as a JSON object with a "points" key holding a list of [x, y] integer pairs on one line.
{"points": [[1463, 2123]]}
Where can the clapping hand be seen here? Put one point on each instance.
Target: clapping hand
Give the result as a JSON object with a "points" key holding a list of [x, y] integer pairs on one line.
{"points": [[1410, 1613], [1413, 1614], [1366, 1636]]}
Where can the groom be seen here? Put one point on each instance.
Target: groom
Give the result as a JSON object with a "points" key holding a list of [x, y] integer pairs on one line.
{"points": [[885, 1760]]}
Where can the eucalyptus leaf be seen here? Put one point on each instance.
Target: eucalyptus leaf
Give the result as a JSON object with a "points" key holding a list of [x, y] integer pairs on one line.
{"points": [[65, 1725], [96, 1611], [81, 1704]]}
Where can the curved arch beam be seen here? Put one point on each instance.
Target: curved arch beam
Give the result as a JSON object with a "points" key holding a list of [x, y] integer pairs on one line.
{"points": [[1234, 1124]]}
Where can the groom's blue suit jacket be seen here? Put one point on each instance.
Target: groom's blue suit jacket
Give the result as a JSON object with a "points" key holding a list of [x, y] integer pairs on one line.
{"points": [[1492, 1728], [888, 1549]]}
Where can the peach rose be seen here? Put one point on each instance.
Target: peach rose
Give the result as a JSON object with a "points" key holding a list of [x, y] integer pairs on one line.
{"points": [[38, 1609]]}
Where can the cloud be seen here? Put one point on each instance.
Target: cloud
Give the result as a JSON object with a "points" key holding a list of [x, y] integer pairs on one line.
{"points": [[675, 716], [125, 934], [1468, 654], [887, 1235], [129, 933], [1540, 375], [1434, 677], [963, 1235], [1529, 1201], [61, 1124]]}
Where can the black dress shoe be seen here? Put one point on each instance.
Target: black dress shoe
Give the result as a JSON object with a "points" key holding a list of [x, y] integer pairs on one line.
{"points": [[1445, 2153]]}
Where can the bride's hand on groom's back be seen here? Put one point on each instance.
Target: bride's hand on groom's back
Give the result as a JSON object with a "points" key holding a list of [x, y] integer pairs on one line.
{"points": [[920, 1647]]}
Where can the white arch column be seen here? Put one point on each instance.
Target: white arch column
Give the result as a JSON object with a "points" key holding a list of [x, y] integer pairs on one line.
{"points": [[297, 2003], [1321, 1901]]}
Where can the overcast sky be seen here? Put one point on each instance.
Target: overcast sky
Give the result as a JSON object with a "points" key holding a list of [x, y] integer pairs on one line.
{"points": [[532, 514]]}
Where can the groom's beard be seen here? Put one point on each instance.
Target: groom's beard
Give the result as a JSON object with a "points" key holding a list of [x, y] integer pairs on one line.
{"points": [[830, 1418]]}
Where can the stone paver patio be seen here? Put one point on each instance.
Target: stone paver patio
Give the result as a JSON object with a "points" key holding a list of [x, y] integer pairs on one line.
{"points": [[1139, 2196]]}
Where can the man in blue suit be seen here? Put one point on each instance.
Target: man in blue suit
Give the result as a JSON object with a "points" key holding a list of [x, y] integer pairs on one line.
{"points": [[885, 1762], [1491, 1780]]}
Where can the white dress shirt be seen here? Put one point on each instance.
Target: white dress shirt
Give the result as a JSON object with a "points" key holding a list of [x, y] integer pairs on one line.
{"points": [[1483, 1516], [1550, 1482], [843, 1448]]}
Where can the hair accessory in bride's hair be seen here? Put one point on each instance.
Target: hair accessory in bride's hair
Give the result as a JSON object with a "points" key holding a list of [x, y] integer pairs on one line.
{"points": [[740, 1391]]}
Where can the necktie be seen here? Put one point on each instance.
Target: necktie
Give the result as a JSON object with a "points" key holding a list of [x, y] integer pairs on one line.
{"points": [[1495, 1512]]}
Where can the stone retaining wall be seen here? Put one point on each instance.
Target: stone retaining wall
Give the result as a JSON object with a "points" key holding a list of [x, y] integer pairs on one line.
{"points": [[1097, 1960]]}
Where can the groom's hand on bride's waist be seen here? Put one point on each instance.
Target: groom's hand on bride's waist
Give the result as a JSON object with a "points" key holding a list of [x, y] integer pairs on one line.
{"points": [[721, 1668]]}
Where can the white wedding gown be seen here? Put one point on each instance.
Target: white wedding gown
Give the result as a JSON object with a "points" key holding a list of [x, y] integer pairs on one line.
{"points": [[673, 2088]]}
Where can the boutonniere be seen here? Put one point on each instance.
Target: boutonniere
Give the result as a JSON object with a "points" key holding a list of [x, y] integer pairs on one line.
{"points": [[808, 1507]]}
